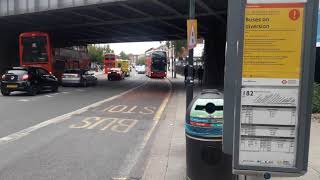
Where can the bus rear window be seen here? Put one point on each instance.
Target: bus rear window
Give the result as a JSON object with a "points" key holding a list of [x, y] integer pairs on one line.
{"points": [[34, 49]]}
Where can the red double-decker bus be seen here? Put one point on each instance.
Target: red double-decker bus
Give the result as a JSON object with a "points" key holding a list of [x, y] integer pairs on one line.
{"points": [[109, 62], [156, 64], [36, 50]]}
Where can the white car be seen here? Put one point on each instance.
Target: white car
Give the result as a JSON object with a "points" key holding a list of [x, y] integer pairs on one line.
{"points": [[141, 69]]}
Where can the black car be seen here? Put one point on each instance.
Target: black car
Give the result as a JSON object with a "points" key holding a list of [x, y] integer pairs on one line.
{"points": [[29, 79]]}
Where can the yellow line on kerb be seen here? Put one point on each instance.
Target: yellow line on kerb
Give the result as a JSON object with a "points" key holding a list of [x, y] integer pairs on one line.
{"points": [[162, 107], [159, 112]]}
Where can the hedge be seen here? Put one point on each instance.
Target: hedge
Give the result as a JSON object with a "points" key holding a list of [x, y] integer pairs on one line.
{"points": [[316, 99]]}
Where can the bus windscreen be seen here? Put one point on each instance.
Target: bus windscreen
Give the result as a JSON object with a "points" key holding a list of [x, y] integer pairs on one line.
{"points": [[159, 61], [34, 49], [158, 65], [110, 57]]}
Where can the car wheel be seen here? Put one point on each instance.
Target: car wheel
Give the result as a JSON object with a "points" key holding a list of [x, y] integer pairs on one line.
{"points": [[5, 92], [85, 84], [33, 91], [55, 89]]}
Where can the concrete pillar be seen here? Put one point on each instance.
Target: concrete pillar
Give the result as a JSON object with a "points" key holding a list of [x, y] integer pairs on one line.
{"points": [[9, 50], [214, 56]]}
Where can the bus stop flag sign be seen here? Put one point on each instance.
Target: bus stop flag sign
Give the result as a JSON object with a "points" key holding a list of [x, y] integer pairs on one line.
{"points": [[192, 33]]}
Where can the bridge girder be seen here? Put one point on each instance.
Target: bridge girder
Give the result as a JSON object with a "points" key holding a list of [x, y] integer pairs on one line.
{"points": [[107, 21]]}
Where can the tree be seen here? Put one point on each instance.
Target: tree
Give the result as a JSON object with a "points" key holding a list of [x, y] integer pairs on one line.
{"points": [[123, 55], [96, 53], [107, 49], [141, 61], [179, 47]]}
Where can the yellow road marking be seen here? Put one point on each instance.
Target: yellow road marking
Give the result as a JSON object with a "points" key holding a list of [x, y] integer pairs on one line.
{"points": [[114, 120], [158, 114], [117, 109], [149, 110], [131, 110], [97, 123], [121, 124], [132, 157]]}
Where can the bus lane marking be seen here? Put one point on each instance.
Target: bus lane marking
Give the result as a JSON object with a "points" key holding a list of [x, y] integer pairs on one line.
{"points": [[119, 125], [129, 110], [118, 108], [114, 120], [25, 132]]}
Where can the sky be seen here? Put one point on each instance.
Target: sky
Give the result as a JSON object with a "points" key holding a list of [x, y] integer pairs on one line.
{"points": [[134, 48]]}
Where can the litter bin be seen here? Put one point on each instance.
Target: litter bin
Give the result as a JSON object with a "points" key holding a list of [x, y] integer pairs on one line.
{"points": [[204, 126]]}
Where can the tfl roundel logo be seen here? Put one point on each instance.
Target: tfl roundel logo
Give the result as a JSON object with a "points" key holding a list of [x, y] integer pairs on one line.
{"points": [[284, 82]]}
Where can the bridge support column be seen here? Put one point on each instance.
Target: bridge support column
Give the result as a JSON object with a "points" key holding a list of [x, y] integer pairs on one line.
{"points": [[214, 56], [9, 52]]}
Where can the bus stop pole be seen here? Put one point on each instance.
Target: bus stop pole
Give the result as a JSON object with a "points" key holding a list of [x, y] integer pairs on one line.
{"points": [[172, 60], [174, 63], [190, 62]]}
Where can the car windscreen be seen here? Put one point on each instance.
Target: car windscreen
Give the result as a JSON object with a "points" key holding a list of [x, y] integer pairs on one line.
{"points": [[34, 49], [17, 72]]}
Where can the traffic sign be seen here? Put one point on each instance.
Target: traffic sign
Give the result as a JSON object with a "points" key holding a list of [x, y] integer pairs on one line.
{"points": [[192, 33]]}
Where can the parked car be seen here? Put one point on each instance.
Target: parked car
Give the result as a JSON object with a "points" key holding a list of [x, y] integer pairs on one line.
{"points": [[78, 77], [115, 73], [29, 79], [141, 69]]}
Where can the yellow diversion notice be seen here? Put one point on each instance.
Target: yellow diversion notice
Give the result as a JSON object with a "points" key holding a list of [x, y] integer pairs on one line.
{"points": [[272, 41]]}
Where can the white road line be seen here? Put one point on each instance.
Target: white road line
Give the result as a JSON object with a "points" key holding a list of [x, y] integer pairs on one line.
{"points": [[120, 178], [133, 156], [27, 131], [23, 100]]}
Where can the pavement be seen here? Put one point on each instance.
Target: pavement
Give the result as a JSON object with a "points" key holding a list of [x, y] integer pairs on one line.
{"points": [[167, 156], [166, 160]]}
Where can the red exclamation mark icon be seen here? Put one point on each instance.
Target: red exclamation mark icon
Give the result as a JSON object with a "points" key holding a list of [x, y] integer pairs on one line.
{"points": [[294, 14]]}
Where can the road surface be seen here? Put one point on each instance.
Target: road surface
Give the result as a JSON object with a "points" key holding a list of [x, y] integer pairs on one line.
{"points": [[90, 133]]}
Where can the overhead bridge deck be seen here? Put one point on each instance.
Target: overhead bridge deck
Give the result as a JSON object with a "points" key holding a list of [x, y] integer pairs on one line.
{"points": [[97, 21]]}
